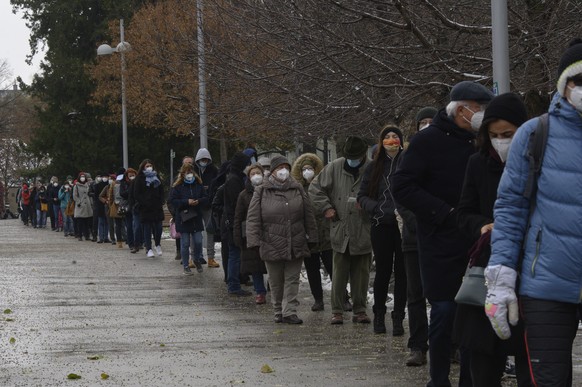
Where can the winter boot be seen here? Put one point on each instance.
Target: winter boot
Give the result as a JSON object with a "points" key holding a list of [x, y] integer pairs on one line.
{"points": [[379, 319], [397, 327]]}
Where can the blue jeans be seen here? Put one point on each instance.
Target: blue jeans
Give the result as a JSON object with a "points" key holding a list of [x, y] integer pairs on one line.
{"points": [[68, 225], [187, 239], [440, 329], [137, 230], [148, 229], [40, 218], [129, 228], [233, 278], [103, 228], [259, 283]]}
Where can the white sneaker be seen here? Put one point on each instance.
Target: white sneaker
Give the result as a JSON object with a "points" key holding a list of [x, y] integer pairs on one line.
{"points": [[150, 253], [159, 250]]}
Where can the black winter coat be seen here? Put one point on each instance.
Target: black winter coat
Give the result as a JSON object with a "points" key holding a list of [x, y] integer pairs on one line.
{"points": [[98, 206], [429, 182], [475, 209], [250, 257], [232, 188], [381, 206], [179, 198], [149, 200]]}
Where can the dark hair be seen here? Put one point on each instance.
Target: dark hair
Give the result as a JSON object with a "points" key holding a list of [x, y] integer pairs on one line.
{"points": [[143, 164], [378, 160]]}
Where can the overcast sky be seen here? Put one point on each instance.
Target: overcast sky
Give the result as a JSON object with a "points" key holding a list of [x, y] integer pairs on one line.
{"points": [[14, 43]]}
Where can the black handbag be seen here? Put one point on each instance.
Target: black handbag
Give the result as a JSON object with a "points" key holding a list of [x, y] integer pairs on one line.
{"points": [[188, 214]]}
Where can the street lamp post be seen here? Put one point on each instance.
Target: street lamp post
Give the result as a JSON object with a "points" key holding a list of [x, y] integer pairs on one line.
{"points": [[201, 76], [121, 48], [500, 45]]}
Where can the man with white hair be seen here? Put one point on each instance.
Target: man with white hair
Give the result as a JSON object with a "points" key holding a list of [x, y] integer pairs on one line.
{"points": [[428, 182]]}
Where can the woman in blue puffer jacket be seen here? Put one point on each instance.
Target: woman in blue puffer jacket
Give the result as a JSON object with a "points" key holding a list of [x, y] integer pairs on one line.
{"points": [[188, 198]]}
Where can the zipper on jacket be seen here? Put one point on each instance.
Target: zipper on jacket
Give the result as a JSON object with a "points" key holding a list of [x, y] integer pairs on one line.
{"points": [[537, 254], [387, 178]]}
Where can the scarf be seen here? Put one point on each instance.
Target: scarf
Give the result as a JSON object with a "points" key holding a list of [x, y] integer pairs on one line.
{"points": [[152, 178]]}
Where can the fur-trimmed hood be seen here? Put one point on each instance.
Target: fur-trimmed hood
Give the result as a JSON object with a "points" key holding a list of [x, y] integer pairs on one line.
{"points": [[306, 158]]}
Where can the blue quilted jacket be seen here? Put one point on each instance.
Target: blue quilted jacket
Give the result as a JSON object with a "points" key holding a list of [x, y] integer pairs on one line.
{"points": [[552, 266]]}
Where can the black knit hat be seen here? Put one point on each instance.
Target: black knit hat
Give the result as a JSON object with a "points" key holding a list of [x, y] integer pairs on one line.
{"points": [[392, 129], [425, 112], [355, 147], [278, 160], [239, 162], [508, 107], [570, 64], [471, 91]]}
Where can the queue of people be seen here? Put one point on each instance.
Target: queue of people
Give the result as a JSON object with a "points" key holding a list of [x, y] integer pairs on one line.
{"points": [[453, 199]]}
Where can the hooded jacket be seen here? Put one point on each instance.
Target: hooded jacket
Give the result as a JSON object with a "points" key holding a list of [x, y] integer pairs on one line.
{"points": [[312, 159], [207, 173], [552, 264], [280, 221]]}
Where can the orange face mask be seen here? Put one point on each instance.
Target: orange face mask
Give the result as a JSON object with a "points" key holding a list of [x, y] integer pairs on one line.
{"points": [[391, 142]]}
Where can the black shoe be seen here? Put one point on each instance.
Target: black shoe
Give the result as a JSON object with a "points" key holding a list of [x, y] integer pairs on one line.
{"points": [[317, 306], [178, 257], [199, 267], [203, 261], [187, 271], [379, 320], [99, 241], [416, 358], [278, 318], [113, 242], [293, 319], [397, 327], [94, 239]]}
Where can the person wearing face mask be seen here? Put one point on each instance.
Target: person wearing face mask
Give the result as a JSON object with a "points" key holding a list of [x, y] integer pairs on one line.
{"points": [[148, 193], [249, 257], [207, 171], [100, 186], [334, 195], [541, 241], [66, 197], [188, 195], [281, 223], [134, 236], [83, 206], [41, 202], [503, 116], [428, 182], [266, 164], [424, 117], [304, 170], [375, 198], [55, 204], [108, 196]]}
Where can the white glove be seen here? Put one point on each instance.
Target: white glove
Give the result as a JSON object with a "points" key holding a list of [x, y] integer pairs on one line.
{"points": [[501, 302]]}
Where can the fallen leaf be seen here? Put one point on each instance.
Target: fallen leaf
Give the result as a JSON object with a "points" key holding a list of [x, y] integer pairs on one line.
{"points": [[73, 376], [8, 319], [278, 331], [104, 376], [162, 345], [266, 369], [12, 340], [95, 357], [7, 311]]}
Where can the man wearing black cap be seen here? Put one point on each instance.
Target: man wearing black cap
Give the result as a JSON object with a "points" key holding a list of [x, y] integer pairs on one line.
{"points": [[547, 236], [334, 194], [428, 182]]}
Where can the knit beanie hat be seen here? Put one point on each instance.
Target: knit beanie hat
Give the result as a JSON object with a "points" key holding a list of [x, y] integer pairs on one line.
{"points": [[355, 147], [239, 162], [508, 107], [252, 167], [278, 160], [392, 129], [425, 112], [570, 64]]}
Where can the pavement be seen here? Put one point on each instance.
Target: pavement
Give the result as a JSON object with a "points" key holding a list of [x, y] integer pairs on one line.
{"points": [[120, 319]]}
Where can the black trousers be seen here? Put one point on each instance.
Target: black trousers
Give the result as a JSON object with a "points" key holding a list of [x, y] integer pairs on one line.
{"points": [[417, 318], [387, 246], [313, 266], [550, 329]]}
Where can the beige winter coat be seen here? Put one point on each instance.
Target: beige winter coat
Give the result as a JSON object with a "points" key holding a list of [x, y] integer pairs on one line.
{"points": [[336, 188], [280, 221]]}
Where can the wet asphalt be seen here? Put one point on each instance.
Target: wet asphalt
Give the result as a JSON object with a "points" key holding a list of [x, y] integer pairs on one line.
{"points": [[96, 311]]}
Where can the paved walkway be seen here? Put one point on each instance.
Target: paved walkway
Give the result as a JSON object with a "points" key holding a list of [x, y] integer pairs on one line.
{"points": [[149, 325]]}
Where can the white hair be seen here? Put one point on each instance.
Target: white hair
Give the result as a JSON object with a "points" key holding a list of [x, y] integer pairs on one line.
{"points": [[451, 108]]}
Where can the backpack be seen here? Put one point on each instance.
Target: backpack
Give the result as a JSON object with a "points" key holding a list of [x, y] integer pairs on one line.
{"points": [[536, 148]]}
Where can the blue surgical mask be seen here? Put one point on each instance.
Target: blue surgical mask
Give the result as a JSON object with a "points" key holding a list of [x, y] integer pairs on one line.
{"points": [[354, 163]]}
